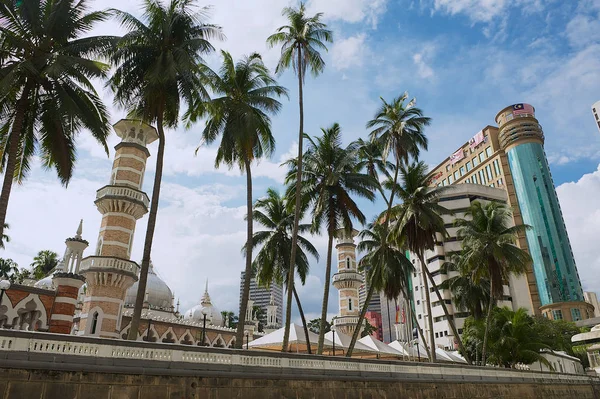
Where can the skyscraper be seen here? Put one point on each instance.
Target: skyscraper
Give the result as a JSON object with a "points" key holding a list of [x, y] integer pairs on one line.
{"points": [[512, 157], [262, 296], [596, 112]]}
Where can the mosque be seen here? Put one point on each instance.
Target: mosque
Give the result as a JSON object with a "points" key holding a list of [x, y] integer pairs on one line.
{"points": [[94, 295]]}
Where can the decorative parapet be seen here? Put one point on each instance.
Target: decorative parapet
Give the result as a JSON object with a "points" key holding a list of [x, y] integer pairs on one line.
{"points": [[123, 192], [107, 263]]}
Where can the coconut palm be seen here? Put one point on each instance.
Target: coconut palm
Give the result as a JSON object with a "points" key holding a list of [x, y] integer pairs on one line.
{"points": [[46, 93], [466, 293], [386, 268], [371, 161], [245, 96], [272, 261], [4, 238], [44, 262], [489, 249], [8, 269], [417, 221], [158, 71], [330, 178], [301, 40]]}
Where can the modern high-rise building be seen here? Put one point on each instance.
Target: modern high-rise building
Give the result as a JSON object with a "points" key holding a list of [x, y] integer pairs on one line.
{"points": [[596, 112], [511, 157], [516, 295], [262, 297]]}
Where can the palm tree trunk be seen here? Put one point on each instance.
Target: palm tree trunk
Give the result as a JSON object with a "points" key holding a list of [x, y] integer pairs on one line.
{"points": [[448, 317], [361, 317], [288, 313], [325, 295], [428, 304], [139, 299], [13, 149], [304, 325], [239, 335], [487, 323], [413, 316]]}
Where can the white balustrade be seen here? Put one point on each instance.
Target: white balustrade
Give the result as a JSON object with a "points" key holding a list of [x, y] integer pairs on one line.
{"points": [[344, 276], [115, 349], [123, 191], [99, 262]]}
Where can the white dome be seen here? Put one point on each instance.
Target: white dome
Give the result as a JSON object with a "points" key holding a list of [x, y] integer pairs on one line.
{"points": [[46, 283], [159, 293], [213, 315]]}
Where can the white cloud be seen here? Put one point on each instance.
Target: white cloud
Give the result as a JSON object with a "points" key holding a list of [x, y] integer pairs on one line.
{"points": [[583, 30], [348, 52], [485, 10], [350, 10], [581, 212], [424, 70]]}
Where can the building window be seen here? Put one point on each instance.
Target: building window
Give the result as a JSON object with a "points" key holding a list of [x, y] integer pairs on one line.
{"points": [[460, 330], [94, 323], [475, 162], [481, 156], [447, 168], [462, 170], [500, 182], [457, 175], [347, 263], [450, 179], [468, 180], [557, 314], [416, 288], [497, 167], [488, 170], [418, 302], [436, 335], [488, 152], [350, 304], [419, 317], [444, 182], [575, 314], [446, 333], [469, 167], [475, 179], [492, 185], [481, 177]]}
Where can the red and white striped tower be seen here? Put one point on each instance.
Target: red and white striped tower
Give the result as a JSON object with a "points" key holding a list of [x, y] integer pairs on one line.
{"points": [[111, 272], [67, 282]]}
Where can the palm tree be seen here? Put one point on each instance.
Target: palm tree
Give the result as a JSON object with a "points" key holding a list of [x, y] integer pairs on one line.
{"points": [[158, 67], [300, 41], [8, 269], [272, 262], [4, 238], [329, 180], [245, 96], [466, 293], [387, 269], [46, 93], [371, 160], [489, 249], [43, 263], [418, 220]]}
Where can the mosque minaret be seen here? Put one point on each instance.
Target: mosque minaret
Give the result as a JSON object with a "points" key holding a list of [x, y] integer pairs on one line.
{"points": [[347, 280], [111, 272]]}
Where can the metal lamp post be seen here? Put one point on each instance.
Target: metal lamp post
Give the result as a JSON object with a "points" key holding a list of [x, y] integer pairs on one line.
{"points": [[333, 331], [204, 314], [247, 333], [148, 314], [4, 285]]}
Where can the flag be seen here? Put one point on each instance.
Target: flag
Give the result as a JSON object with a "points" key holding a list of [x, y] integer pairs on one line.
{"points": [[477, 139], [520, 109], [457, 156], [397, 314], [403, 316]]}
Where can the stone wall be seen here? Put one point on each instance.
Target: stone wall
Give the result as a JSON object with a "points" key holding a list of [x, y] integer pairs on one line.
{"points": [[54, 384]]}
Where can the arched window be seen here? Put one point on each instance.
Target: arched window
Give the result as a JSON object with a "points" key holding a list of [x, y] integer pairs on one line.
{"points": [[94, 323], [347, 263], [349, 304]]}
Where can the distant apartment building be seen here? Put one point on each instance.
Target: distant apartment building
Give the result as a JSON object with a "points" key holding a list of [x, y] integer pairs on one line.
{"points": [[516, 294], [596, 112], [262, 296], [592, 298], [511, 157]]}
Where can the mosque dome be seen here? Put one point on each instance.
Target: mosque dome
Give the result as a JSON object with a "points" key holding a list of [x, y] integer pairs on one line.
{"points": [[159, 296], [45, 283], [213, 315]]}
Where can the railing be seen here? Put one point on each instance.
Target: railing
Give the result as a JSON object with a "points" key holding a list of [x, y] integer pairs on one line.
{"points": [[339, 320], [102, 262], [345, 276], [56, 344], [122, 191]]}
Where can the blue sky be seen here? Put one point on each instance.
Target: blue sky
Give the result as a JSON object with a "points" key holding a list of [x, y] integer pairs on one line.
{"points": [[464, 60]]}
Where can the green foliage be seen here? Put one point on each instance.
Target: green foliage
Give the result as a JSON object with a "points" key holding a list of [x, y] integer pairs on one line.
{"points": [[229, 319], [466, 293], [315, 325], [9, 269], [368, 329], [43, 263]]}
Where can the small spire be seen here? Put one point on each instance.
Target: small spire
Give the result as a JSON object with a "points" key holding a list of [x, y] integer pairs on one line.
{"points": [[206, 286], [79, 229], [206, 297]]}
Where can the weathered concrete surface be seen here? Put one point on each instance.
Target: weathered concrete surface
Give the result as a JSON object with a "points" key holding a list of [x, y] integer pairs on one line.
{"points": [[50, 384]]}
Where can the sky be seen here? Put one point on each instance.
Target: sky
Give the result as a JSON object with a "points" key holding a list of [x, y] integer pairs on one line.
{"points": [[464, 60]]}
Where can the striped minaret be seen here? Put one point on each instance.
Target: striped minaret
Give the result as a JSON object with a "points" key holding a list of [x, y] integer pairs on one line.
{"points": [[67, 282], [347, 281], [111, 272]]}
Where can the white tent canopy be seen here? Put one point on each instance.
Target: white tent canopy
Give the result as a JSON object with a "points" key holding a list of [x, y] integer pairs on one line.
{"points": [[379, 346], [410, 349], [297, 339], [343, 341]]}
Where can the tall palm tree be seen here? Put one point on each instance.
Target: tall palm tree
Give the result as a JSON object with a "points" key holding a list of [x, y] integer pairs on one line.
{"points": [[8, 269], [371, 160], [158, 70], [272, 262], [489, 249], [4, 238], [46, 93], [331, 177], [387, 269], [43, 263], [466, 293], [245, 96], [418, 220], [300, 40]]}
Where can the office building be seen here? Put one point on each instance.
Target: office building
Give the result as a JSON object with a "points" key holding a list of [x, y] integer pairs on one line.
{"points": [[511, 157], [457, 200], [596, 112], [591, 298], [261, 296]]}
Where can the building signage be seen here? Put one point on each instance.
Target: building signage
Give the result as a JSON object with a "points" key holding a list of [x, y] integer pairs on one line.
{"points": [[457, 156], [477, 139]]}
